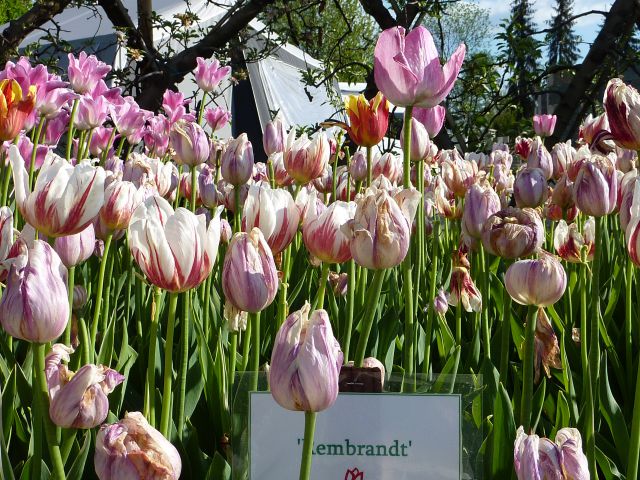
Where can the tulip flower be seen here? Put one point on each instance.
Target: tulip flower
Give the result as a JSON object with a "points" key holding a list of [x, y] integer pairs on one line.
{"points": [[440, 303], [133, 449], [633, 228], [540, 281], [121, 198], [595, 190], [274, 136], [207, 188], [34, 305], [562, 155], [156, 135], [368, 119], [249, 276], [358, 166], [15, 107], [535, 457], [407, 68], [462, 288], [282, 177], [339, 283], [190, 143], [85, 72], [216, 118], [129, 119], [458, 174], [274, 212], [175, 250], [236, 163], [305, 362], [78, 399], [544, 125], [513, 233], [539, 157], [209, 74], [596, 133], [547, 351], [322, 233], [51, 100], [80, 297], [530, 188], [75, 249], [622, 105], [389, 166], [570, 244], [305, 159], [420, 142], [380, 231], [480, 202], [627, 186], [432, 118], [65, 198], [324, 183], [92, 112], [6, 232]]}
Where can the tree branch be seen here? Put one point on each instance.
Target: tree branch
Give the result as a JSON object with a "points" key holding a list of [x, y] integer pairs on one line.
{"points": [[379, 12], [571, 20]]}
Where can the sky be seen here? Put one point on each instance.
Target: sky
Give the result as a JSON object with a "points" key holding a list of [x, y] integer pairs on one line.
{"points": [[586, 27]]}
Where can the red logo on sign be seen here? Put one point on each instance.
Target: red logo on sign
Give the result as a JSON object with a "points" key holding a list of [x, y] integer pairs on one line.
{"points": [[354, 474]]}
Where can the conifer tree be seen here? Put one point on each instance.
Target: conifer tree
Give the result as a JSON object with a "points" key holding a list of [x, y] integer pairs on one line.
{"points": [[563, 42]]}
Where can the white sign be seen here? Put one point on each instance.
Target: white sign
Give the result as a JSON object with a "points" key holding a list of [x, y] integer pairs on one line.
{"points": [[361, 437]]}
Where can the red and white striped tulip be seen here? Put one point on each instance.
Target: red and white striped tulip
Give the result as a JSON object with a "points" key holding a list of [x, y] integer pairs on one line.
{"points": [[573, 246], [622, 105], [322, 232], [305, 159], [121, 198]]}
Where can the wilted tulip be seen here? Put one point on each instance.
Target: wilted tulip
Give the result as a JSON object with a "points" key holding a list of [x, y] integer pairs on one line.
{"points": [[540, 458], [65, 198], [458, 174], [75, 249], [78, 399], [133, 449], [530, 188], [547, 351], [34, 304], [595, 190], [236, 163], [544, 125], [120, 201], [80, 297], [368, 119], [275, 136], [540, 281], [480, 202], [379, 234], [305, 363], [573, 246], [513, 233], [190, 143], [407, 68], [462, 289], [622, 104], [322, 233], [305, 159], [339, 283], [249, 276], [274, 212], [539, 157], [175, 250]]}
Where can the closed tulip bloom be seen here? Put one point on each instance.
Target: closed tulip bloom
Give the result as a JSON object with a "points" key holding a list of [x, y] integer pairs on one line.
{"points": [[91, 113], [389, 166], [16, 106], [544, 125], [432, 118], [513, 233], [120, 201], [420, 142], [34, 305], [274, 136], [480, 202], [207, 188], [595, 190], [368, 119], [305, 159], [633, 228], [133, 450], [540, 281], [440, 303], [65, 199], [6, 232], [622, 105], [236, 163], [78, 399], [274, 212], [305, 362], [380, 231], [562, 157], [322, 233], [249, 275], [209, 74], [530, 188], [539, 157], [573, 246], [358, 166], [175, 250], [217, 118], [407, 68], [190, 143], [75, 249], [540, 458]]}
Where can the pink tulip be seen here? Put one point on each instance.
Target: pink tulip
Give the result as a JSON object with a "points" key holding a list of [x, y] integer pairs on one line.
{"points": [[129, 119], [207, 188], [540, 281], [305, 159], [121, 198], [173, 104], [544, 125], [562, 155], [480, 202], [389, 166], [539, 157], [216, 118], [55, 127], [156, 135], [6, 232], [85, 72], [209, 74], [92, 112], [462, 289], [51, 99], [595, 133], [236, 163], [432, 118], [274, 136], [75, 249], [407, 68], [530, 188], [458, 174], [440, 304], [420, 142], [322, 233], [282, 177], [190, 143]]}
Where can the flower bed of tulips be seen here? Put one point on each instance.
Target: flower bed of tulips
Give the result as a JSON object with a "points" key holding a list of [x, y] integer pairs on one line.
{"points": [[145, 262]]}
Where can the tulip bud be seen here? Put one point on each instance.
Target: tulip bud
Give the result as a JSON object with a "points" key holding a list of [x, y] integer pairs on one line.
{"points": [[440, 304], [544, 125], [358, 166], [6, 232], [305, 363], [78, 399], [226, 231], [622, 104], [306, 159], [481, 201], [34, 305], [75, 249], [133, 449], [80, 297], [120, 201], [190, 143], [274, 137], [249, 276], [207, 187], [530, 188], [595, 189], [380, 231], [322, 235], [420, 142], [540, 281], [513, 233], [387, 165], [539, 157], [432, 118], [236, 163]]}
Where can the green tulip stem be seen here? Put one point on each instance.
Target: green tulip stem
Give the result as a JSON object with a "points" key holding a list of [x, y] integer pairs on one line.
{"points": [[233, 353], [43, 401], [369, 166], [272, 173], [528, 355], [628, 322], [70, 284], [459, 323], [165, 415], [254, 366], [594, 339], [634, 447], [201, 109], [433, 278], [505, 340], [36, 141], [307, 446], [318, 303], [371, 305], [72, 118], [282, 294], [99, 292], [194, 188], [351, 296], [484, 313], [420, 251], [184, 359], [149, 399], [407, 288]]}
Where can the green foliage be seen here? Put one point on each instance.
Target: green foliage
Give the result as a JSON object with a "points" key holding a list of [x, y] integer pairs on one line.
{"points": [[12, 9], [563, 42]]}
